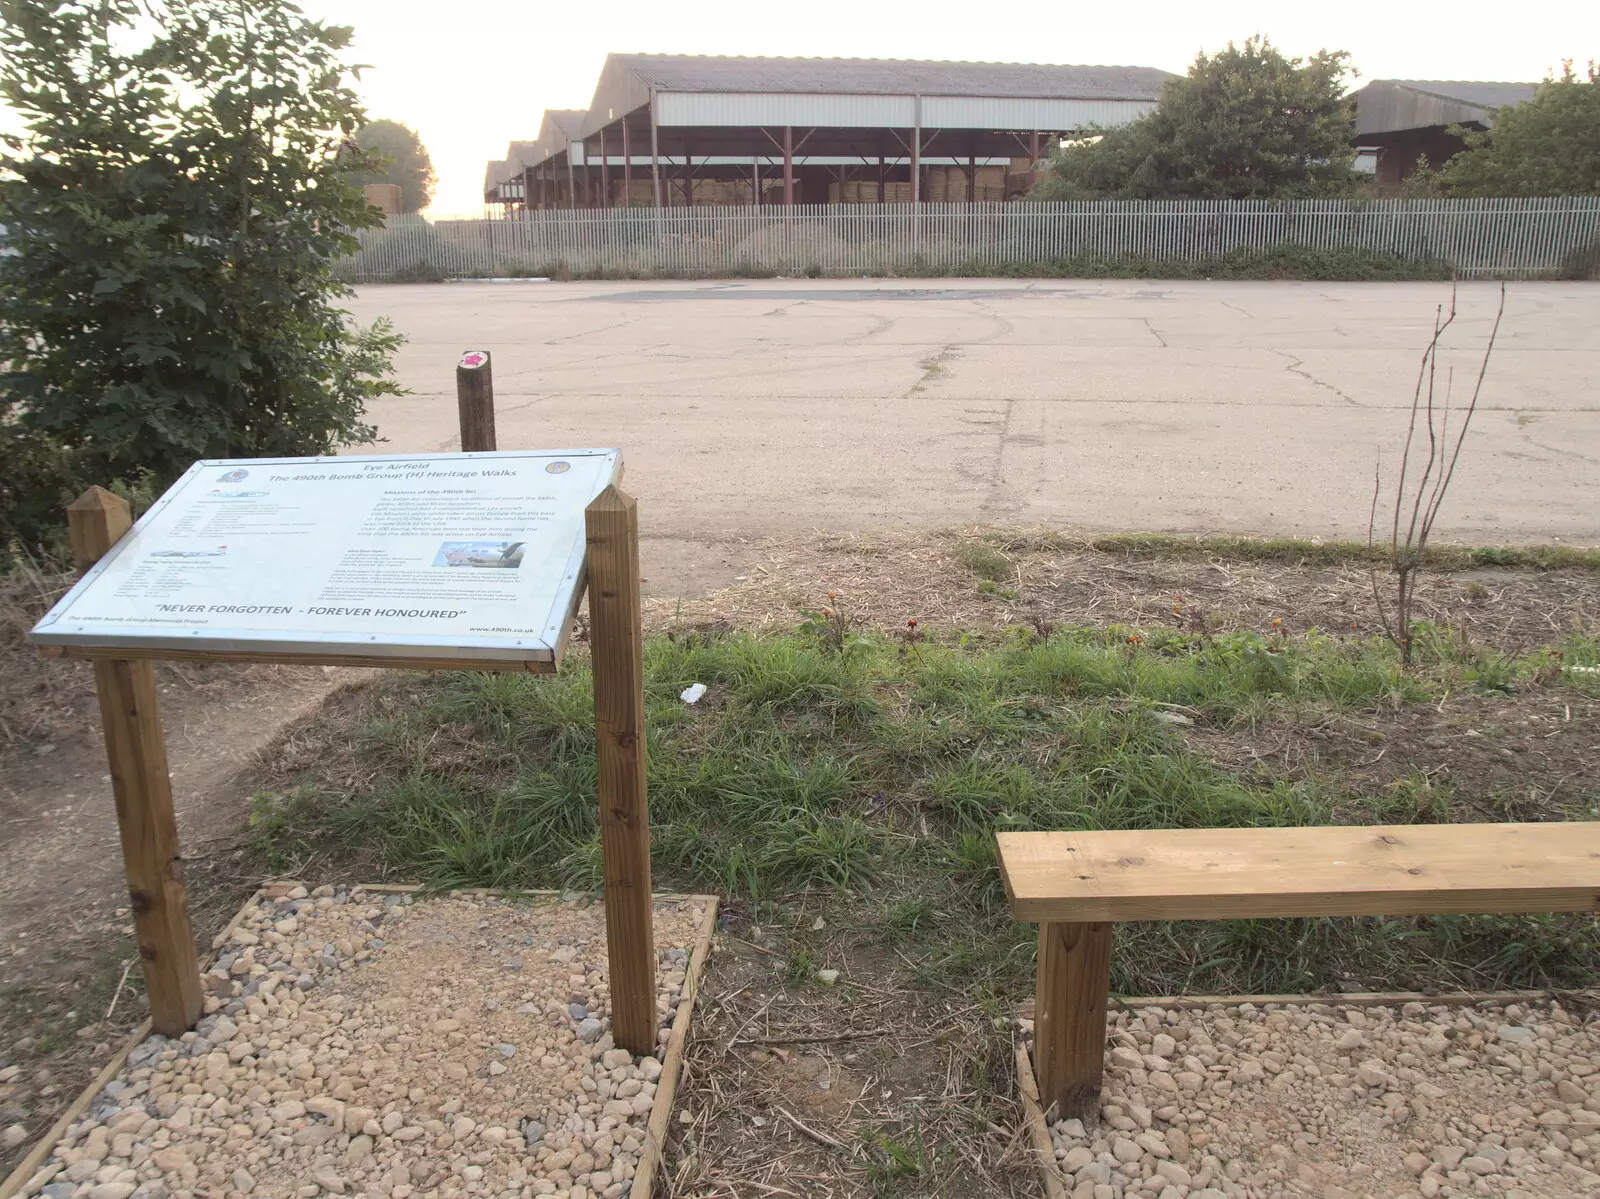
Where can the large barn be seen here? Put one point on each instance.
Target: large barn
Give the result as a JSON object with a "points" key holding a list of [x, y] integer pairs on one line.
{"points": [[669, 130], [1399, 122]]}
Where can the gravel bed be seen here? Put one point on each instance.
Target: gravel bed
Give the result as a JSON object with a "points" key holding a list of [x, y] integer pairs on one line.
{"points": [[1342, 1102], [370, 1044]]}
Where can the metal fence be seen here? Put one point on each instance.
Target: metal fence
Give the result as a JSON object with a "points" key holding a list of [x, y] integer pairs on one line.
{"points": [[1495, 238]]}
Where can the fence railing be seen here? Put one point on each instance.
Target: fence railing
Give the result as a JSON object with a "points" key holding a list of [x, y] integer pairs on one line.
{"points": [[1496, 237]]}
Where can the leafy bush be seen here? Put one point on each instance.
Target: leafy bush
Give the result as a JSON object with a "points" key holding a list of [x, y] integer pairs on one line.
{"points": [[1244, 123], [172, 211], [1546, 146]]}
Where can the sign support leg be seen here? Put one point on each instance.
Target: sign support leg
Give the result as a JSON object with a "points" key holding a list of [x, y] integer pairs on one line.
{"points": [[617, 641], [137, 753]]}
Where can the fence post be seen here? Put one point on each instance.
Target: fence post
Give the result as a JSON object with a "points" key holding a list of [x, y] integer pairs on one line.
{"points": [[137, 754], [475, 399]]}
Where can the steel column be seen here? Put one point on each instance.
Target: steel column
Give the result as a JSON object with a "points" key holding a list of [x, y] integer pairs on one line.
{"points": [[605, 171], [655, 151], [627, 166], [788, 166], [916, 155]]}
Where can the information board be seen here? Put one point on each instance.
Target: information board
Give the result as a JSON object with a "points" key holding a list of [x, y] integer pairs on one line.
{"points": [[449, 556]]}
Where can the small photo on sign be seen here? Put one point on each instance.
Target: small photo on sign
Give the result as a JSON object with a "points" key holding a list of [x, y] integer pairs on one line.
{"points": [[506, 555]]}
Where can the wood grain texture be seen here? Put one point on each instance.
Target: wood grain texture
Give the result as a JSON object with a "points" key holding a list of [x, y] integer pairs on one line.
{"points": [[142, 789], [1221, 874], [137, 753], [96, 521], [1044, 1150], [475, 405], [157, 654], [617, 650], [1069, 1018], [651, 1157]]}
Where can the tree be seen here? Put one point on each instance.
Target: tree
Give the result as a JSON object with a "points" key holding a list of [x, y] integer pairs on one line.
{"points": [[173, 210], [1546, 146], [407, 162], [1244, 123]]}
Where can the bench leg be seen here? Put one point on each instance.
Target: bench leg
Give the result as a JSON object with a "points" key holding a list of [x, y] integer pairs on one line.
{"points": [[1069, 1018]]}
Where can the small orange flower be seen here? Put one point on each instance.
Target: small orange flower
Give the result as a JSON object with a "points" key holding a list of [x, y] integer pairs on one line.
{"points": [[911, 624], [827, 611], [832, 596], [1134, 639], [1277, 622]]}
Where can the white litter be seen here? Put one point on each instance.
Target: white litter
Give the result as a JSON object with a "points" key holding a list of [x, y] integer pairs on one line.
{"points": [[692, 693]]}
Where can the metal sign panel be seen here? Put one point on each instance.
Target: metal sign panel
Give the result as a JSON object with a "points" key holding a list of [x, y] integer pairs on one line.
{"points": [[449, 556]]}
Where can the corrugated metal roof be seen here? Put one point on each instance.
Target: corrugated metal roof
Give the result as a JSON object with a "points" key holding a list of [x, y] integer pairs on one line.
{"points": [[568, 120], [893, 77], [1391, 105], [627, 79], [1476, 92], [519, 155]]}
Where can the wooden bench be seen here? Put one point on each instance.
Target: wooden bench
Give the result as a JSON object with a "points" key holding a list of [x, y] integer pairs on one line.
{"points": [[1074, 885]]}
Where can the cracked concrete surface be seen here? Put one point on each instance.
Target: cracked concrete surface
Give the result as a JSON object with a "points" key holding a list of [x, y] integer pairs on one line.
{"points": [[751, 408]]}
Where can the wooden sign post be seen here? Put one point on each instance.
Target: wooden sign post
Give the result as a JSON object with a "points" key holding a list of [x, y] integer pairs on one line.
{"points": [[136, 750], [310, 560], [617, 640]]}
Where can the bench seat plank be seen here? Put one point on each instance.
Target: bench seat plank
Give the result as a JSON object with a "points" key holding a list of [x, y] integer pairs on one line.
{"points": [[1227, 873]]}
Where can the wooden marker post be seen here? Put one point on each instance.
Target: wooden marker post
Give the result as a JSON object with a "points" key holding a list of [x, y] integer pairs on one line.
{"points": [[475, 399], [617, 640], [137, 753], [1069, 1018]]}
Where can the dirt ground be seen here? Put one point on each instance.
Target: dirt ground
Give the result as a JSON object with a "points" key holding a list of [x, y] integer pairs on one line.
{"points": [[794, 1089]]}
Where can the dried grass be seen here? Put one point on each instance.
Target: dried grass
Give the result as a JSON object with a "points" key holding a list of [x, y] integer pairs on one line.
{"points": [[884, 580], [39, 699], [870, 1088]]}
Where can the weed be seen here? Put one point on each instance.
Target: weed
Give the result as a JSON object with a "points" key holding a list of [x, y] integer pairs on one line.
{"points": [[832, 627], [907, 915], [799, 967], [984, 561], [1406, 549]]}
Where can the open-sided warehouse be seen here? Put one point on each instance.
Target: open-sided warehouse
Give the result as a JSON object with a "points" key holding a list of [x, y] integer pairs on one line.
{"points": [[669, 130]]}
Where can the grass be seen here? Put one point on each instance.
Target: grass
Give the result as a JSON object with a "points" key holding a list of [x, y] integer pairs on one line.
{"points": [[1295, 550], [877, 772]]}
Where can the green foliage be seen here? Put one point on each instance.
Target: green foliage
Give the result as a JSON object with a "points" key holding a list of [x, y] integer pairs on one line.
{"points": [[173, 207], [806, 772], [1546, 146], [1287, 261], [405, 162], [1244, 123]]}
